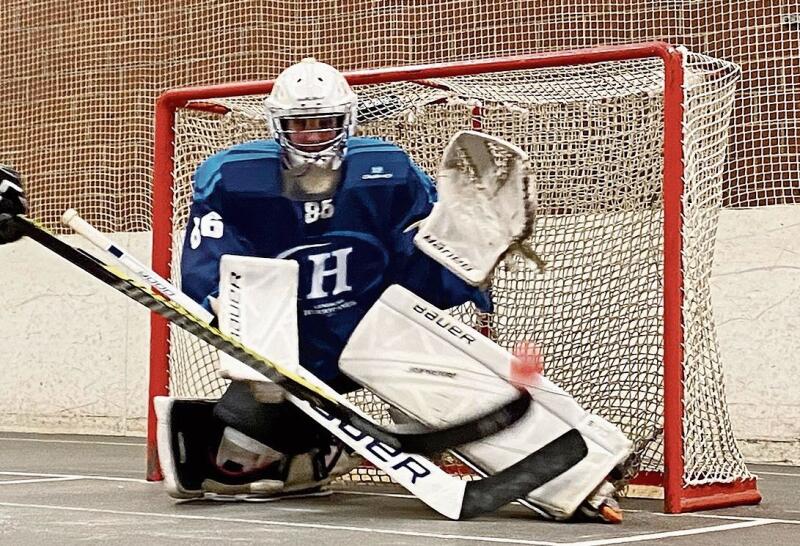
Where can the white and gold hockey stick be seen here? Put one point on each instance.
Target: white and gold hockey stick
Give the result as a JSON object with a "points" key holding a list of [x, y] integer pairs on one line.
{"points": [[385, 448]]}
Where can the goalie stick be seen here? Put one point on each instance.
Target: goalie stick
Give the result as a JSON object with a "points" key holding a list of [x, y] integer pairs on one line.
{"points": [[444, 493]]}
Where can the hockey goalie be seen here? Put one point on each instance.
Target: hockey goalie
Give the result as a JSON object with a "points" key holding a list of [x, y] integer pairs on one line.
{"points": [[332, 255]]}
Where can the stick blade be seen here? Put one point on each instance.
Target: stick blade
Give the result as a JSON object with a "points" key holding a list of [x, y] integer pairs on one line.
{"points": [[516, 481]]}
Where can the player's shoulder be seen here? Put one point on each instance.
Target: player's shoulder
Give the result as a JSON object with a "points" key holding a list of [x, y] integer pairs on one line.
{"points": [[367, 145], [376, 162], [248, 166]]}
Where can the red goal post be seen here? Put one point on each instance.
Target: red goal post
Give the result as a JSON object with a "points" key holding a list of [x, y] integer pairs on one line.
{"points": [[643, 82]]}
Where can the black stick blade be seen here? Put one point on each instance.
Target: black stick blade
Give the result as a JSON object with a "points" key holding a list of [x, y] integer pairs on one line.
{"points": [[490, 493]]}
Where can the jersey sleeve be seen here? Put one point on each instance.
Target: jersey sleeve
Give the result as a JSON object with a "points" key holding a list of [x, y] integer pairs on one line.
{"points": [[208, 237], [416, 271]]}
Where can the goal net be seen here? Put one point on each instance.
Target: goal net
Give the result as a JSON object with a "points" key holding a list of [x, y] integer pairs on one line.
{"points": [[627, 148]]}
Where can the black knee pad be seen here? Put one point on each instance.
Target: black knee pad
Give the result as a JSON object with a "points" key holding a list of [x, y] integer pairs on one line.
{"points": [[188, 437], [281, 426]]}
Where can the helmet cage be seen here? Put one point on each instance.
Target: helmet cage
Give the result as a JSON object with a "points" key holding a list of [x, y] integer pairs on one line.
{"points": [[344, 127]]}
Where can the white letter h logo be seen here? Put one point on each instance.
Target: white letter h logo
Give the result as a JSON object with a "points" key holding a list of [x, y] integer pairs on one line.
{"points": [[319, 274]]}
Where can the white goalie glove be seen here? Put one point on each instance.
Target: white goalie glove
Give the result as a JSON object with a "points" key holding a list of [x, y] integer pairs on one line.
{"points": [[485, 209]]}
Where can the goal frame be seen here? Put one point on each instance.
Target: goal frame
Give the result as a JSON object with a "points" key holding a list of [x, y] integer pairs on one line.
{"points": [[677, 496]]}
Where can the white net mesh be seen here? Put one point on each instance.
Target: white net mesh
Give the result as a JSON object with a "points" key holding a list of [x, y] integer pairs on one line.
{"points": [[80, 81], [595, 137]]}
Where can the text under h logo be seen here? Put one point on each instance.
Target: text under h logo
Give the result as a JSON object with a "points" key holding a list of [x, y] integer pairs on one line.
{"points": [[319, 274]]}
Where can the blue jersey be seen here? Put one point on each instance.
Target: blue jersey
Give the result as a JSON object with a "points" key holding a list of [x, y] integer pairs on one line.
{"points": [[349, 248]]}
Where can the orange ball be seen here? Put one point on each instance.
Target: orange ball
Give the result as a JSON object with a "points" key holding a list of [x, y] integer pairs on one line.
{"points": [[527, 365]]}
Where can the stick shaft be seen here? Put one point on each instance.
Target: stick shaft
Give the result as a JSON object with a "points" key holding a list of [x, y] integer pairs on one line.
{"points": [[72, 219]]}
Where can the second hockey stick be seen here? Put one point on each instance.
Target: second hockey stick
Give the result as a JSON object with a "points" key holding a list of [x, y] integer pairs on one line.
{"points": [[422, 440]]}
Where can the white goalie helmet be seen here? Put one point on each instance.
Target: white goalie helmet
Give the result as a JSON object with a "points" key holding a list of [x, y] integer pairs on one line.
{"points": [[311, 111]]}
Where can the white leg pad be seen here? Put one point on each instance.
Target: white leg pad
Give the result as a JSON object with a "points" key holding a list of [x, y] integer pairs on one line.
{"points": [[553, 412], [439, 370]]}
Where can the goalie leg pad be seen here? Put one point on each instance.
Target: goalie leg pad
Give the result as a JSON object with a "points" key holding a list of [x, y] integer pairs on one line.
{"points": [[552, 413], [188, 446], [197, 452], [435, 369], [182, 479], [203, 457], [301, 474]]}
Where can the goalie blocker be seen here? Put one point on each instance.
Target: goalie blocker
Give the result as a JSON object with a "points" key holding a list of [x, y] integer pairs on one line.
{"points": [[437, 370]]}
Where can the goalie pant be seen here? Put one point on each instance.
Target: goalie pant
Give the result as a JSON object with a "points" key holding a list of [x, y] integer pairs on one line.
{"points": [[437, 370]]}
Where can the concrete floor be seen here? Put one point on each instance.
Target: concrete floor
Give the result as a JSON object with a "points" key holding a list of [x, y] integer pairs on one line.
{"points": [[58, 489]]}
